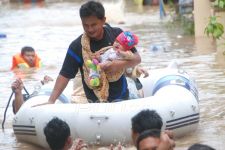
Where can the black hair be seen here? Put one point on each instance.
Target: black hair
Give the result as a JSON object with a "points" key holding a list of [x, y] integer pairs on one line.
{"points": [[56, 132], [92, 8], [200, 147], [26, 49], [155, 133], [145, 120]]}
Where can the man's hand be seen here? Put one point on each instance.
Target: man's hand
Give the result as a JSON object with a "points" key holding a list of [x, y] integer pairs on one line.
{"points": [[46, 79], [112, 66], [122, 53], [141, 71], [98, 54], [106, 65], [166, 141], [78, 145], [17, 86], [127, 55], [117, 147]]}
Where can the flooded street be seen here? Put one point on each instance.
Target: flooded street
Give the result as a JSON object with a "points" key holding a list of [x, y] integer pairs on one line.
{"points": [[50, 28]]}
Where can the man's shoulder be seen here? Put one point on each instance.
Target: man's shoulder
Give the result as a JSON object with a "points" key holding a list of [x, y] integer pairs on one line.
{"points": [[76, 43], [115, 30]]}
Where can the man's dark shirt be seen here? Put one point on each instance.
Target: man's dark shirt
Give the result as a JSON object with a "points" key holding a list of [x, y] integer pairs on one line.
{"points": [[74, 61]]}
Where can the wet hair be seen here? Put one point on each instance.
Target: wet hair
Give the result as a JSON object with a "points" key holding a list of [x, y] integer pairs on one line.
{"points": [[155, 133], [92, 8], [145, 120], [26, 49], [56, 132], [200, 147]]}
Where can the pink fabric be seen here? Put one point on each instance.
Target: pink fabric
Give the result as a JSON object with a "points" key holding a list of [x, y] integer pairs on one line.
{"points": [[127, 39]]}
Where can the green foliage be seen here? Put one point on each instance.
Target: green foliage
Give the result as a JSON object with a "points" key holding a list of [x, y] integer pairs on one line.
{"points": [[188, 25], [181, 25], [171, 3], [219, 3], [214, 28]]}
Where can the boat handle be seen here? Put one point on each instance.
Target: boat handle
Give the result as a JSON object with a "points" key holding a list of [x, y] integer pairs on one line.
{"points": [[93, 117]]}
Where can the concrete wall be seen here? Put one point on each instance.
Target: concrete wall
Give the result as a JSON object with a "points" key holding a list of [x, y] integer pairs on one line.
{"points": [[220, 55], [202, 12]]}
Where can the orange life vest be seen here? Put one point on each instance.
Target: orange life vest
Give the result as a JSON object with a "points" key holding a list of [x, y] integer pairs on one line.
{"points": [[19, 62]]}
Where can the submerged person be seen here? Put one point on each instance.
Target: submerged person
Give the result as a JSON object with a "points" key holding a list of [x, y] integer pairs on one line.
{"points": [[147, 120], [154, 139], [144, 120], [95, 37], [198, 146], [17, 86], [58, 136], [27, 58]]}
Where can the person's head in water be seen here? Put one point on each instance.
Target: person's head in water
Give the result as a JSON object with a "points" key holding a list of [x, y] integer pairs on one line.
{"points": [[200, 147], [57, 133], [148, 140], [93, 18], [28, 53], [145, 120]]}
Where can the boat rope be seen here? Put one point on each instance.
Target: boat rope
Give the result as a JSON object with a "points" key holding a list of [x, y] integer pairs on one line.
{"points": [[26, 90], [3, 122]]}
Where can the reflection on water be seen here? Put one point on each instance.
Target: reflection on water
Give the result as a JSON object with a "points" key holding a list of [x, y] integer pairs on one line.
{"points": [[51, 27]]}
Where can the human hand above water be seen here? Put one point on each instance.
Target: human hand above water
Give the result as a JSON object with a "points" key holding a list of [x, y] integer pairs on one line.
{"points": [[17, 86], [79, 144]]}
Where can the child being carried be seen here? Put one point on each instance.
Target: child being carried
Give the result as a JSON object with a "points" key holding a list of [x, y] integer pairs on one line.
{"points": [[119, 51]]}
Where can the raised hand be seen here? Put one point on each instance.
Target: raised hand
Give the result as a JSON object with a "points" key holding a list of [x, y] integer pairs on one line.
{"points": [[17, 85]]}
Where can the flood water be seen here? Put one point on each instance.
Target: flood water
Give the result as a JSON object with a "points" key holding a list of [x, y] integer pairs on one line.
{"points": [[50, 27]]}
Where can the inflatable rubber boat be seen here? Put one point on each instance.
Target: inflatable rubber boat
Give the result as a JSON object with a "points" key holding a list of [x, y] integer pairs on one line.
{"points": [[169, 91]]}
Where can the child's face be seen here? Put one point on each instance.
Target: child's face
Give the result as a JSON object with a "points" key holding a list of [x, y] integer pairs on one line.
{"points": [[117, 46]]}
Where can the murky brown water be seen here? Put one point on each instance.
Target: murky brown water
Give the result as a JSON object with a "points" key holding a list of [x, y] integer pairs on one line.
{"points": [[51, 27]]}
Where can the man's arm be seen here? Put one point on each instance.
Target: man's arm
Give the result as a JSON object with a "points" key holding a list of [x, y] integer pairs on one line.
{"points": [[116, 65], [17, 87], [60, 84]]}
